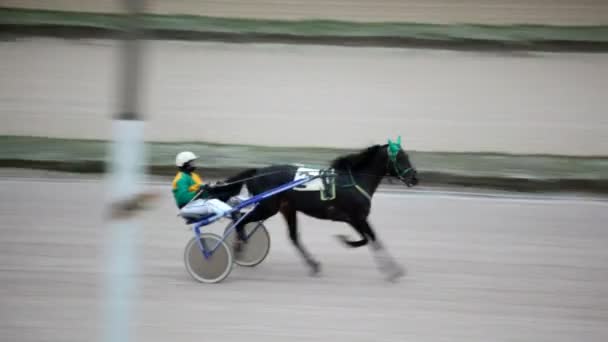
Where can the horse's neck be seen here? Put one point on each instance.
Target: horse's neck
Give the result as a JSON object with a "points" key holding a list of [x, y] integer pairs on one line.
{"points": [[370, 176]]}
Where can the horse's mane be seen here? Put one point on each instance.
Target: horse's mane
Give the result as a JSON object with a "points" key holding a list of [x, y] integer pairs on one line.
{"points": [[354, 161]]}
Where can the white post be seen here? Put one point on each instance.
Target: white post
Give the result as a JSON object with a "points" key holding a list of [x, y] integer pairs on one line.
{"points": [[126, 173]]}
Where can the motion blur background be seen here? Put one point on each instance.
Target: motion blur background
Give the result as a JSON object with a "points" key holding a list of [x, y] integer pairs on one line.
{"points": [[502, 105]]}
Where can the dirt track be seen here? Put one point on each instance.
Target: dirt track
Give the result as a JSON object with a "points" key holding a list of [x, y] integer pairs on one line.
{"points": [[480, 269], [320, 95], [555, 12]]}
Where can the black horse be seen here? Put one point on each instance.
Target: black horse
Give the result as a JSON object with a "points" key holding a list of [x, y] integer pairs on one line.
{"points": [[357, 178]]}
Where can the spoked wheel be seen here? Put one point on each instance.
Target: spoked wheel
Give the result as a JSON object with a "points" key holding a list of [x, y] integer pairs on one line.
{"points": [[212, 269], [257, 246]]}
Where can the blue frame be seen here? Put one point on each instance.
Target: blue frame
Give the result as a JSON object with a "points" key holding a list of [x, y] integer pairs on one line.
{"points": [[255, 200]]}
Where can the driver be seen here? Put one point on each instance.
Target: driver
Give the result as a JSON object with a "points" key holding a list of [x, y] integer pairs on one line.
{"points": [[186, 187]]}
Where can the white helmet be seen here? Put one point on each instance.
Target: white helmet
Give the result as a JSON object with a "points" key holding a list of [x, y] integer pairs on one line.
{"points": [[184, 157]]}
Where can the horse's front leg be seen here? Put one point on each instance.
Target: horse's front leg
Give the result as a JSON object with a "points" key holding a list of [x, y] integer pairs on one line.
{"points": [[386, 263]]}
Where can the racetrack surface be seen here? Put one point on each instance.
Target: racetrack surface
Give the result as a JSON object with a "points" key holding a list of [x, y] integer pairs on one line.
{"points": [[494, 268], [322, 96]]}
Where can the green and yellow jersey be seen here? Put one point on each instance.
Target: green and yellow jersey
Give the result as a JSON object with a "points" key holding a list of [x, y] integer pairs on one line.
{"points": [[185, 187]]}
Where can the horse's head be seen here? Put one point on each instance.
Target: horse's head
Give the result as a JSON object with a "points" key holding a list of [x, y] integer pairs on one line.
{"points": [[399, 164]]}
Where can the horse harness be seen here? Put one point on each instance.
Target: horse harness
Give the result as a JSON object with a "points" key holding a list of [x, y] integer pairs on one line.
{"points": [[392, 159]]}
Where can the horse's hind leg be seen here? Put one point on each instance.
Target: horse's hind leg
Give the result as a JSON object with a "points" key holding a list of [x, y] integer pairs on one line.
{"points": [[290, 217], [260, 213], [386, 263]]}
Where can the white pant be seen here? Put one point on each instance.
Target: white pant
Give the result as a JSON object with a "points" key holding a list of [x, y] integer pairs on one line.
{"points": [[204, 207]]}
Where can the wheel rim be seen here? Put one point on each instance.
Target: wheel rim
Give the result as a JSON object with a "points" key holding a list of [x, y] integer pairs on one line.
{"points": [[212, 269], [257, 247]]}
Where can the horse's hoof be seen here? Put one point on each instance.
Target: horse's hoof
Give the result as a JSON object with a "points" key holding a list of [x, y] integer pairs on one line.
{"points": [[395, 274], [237, 248], [315, 268]]}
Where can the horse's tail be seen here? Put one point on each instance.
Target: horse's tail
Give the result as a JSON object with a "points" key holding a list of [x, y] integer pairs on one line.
{"points": [[235, 183]]}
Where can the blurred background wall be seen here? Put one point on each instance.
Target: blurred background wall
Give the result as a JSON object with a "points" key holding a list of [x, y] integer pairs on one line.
{"points": [[325, 96], [521, 102]]}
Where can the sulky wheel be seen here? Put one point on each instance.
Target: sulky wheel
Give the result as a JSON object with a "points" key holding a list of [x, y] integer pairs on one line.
{"points": [[257, 246], [211, 269]]}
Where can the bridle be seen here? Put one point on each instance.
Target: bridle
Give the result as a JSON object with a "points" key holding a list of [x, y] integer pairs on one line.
{"points": [[400, 172]]}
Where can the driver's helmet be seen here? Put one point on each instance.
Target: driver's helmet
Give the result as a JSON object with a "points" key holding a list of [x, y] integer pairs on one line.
{"points": [[184, 157]]}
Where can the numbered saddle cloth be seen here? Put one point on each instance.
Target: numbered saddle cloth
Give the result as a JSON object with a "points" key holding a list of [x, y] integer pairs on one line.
{"points": [[325, 184]]}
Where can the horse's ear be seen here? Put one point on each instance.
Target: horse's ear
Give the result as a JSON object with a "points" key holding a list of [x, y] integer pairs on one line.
{"points": [[390, 142], [399, 141]]}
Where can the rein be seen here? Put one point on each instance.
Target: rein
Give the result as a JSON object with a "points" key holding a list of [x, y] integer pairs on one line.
{"points": [[392, 159], [248, 178]]}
